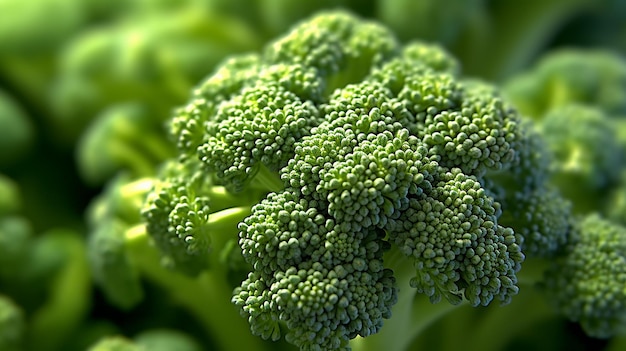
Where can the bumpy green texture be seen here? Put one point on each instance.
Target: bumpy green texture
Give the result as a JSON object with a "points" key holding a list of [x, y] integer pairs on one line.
{"points": [[363, 145], [587, 284], [460, 251], [189, 216]]}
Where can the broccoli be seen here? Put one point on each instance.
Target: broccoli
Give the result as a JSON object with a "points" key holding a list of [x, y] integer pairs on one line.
{"points": [[125, 259], [17, 134], [152, 340], [153, 54], [587, 283], [12, 325], [109, 143], [564, 76], [44, 279], [340, 190], [576, 99], [588, 157]]}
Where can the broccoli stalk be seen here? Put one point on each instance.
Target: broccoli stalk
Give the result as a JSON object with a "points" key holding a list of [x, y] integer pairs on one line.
{"points": [[411, 315], [206, 297]]}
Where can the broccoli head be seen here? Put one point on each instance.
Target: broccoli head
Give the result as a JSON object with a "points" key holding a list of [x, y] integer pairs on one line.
{"points": [[354, 172], [587, 155], [590, 77], [360, 149]]}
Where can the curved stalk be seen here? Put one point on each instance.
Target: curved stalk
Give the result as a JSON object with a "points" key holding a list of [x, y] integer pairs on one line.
{"points": [[411, 315], [206, 297]]}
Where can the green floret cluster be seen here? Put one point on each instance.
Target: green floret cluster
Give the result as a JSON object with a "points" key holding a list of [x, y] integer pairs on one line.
{"points": [[366, 149]]}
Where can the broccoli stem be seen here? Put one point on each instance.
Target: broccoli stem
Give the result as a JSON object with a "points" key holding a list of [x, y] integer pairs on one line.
{"points": [[222, 199], [495, 326], [52, 325], [267, 180], [206, 297], [222, 228], [411, 315], [129, 156]]}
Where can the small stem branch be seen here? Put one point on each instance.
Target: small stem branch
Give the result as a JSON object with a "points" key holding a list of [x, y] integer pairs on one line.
{"points": [[206, 297], [267, 179], [411, 315]]}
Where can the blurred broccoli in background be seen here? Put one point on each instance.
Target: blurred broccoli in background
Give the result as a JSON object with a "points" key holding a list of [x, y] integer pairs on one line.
{"points": [[323, 152], [17, 134]]}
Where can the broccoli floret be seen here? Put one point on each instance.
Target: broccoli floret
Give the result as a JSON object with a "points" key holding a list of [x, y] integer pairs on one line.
{"points": [[460, 251], [190, 255], [587, 284], [542, 217], [587, 156], [188, 123], [583, 76], [313, 275], [188, 217], [111, 143], [18, 132], [370, 158], [255, 130]]}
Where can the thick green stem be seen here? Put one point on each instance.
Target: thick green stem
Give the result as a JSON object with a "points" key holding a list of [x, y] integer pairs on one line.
{"points": [[411, 315], [499, 325], [222, 199], [267, 180], [206, 297], [496, 326], [222, 229], [124, 155], [532, 271]]}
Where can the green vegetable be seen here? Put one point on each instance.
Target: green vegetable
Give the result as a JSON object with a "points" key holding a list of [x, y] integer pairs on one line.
{"points": [[152, 340], [338, 186], [587, 284], [17, 133], [12, 325], [152, 56], [564, 76]]}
